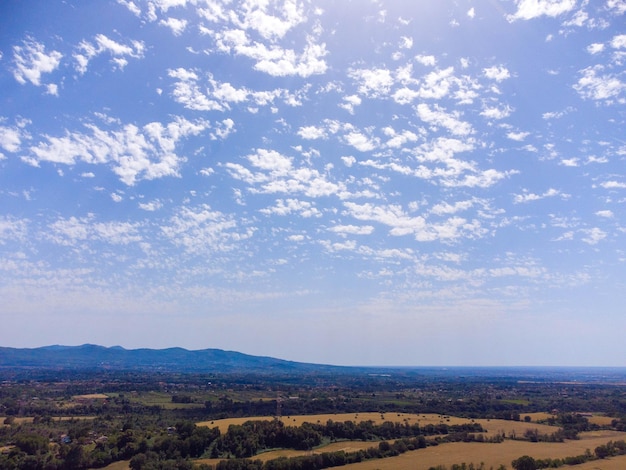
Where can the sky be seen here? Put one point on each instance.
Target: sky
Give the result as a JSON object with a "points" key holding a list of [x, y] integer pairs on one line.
{"points": [[365, 182]]}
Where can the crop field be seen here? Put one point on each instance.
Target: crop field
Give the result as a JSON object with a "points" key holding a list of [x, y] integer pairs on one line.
{"points": [[614, 463], [494, 455], [163, 400], [492, 426], [601, 420], [540, 416], [377, 418], [91, 396], [121, 465], [166, 423], [30, 419], [346, 446], [450, 453]]}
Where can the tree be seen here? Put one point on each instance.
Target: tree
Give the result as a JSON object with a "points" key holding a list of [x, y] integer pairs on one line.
{"points": [[32, 444], [602, 452], [524, 463]]}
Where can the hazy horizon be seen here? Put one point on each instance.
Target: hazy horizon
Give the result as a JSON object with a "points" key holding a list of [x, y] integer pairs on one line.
{"points": [[351, 183], [432, 367]]}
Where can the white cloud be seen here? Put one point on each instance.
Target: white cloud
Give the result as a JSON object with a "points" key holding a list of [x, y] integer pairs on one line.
{"points": [[52, 89], [619, 41], [497, 73], [176, 25], [406, 42], [439, 117], [272, 25], [32, 61], [579, 19], [594, 236], [151, 206], [428, 60], [496, 112], [398, 140], [479, 179], [605, 213], [131, 6], [613, 185], [193, 93], [595, 48], [70, 231], [447, 208], [352, 229], [529, 9], [402, 224], [471, 13], [203, 230], [405, 95], [557, 114], [437, 84], [312, 132], [436, 161], [618, 6], [188, 93], [373, 83], [360, 141], [273, 59], [348, 161], [350, 102], [274, 173], [284, 207], [134, 153], [223, 129], [596, 85], [529, 197], [12, 229], [86, 51], [517, 136], [10, 138]]}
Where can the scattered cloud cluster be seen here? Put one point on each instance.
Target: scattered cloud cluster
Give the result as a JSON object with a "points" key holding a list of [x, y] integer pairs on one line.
{"points": [[31, 61], [315, 158]]}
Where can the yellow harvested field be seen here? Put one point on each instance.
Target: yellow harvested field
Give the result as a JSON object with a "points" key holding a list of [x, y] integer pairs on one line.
{"points": [[605, 433], [18, 420], [492, 426], [346, 446], [601, 420], [223, 424], [29, 419], [446, 454], [91, 396], [598, 419], [121, 465], [458, 452], [492, 455], [377, 418], [614, 463], [540, 416]]}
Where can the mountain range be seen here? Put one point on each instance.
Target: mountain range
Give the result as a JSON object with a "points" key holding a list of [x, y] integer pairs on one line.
{"points": [[90, 356]]}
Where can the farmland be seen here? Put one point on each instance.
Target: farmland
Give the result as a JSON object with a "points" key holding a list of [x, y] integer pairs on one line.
{"points": [[403, 419]]}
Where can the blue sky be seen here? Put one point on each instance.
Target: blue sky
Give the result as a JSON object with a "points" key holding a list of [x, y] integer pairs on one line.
{"points": [[346, 182]]}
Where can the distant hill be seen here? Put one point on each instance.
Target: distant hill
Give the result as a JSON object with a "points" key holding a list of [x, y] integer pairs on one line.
{"points": [[90, 356]]}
